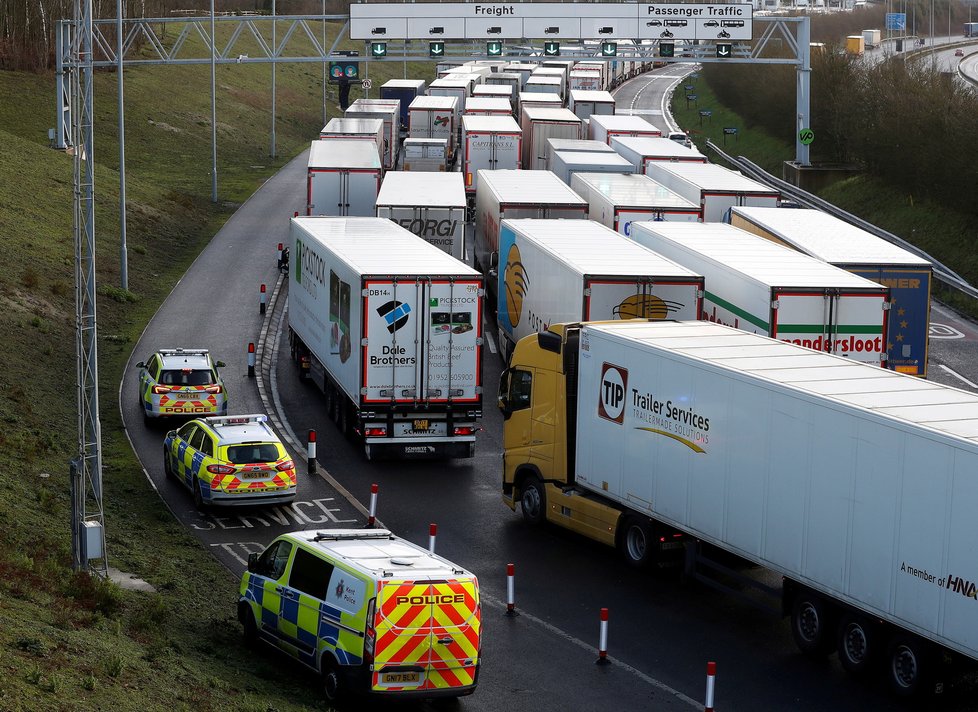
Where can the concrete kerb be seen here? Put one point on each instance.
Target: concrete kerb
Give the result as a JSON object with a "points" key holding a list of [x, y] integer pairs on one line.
{"points": [[268, 364]]}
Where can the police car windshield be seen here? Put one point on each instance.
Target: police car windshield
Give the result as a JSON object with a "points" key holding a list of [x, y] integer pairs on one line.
{"points": [[196, 377], [252, 452]]}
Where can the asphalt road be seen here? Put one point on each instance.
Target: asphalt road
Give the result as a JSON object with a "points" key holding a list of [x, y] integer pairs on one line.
{"points": [[661, 633]]}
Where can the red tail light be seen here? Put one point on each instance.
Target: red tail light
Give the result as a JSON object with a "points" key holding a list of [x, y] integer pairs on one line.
{"points": [[213, 389], [157, 390], [375, 432], [463, 430], [221, 469], [371, 635], [283, 466]]}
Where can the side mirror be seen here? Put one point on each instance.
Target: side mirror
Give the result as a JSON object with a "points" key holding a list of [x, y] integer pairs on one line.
{"points": [[141, 365], [253, 562], [503, 403], [219, 364]]}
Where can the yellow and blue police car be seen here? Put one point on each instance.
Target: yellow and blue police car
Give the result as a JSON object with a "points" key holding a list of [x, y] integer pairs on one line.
{"points": [[368, 611], [175, 382], [230, 460]]}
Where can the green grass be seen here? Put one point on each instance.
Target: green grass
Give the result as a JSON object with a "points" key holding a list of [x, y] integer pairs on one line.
{"points": [[66, 641], [946, 234]]}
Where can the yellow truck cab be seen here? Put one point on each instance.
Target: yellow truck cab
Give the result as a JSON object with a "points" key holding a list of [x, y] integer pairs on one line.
{"points": [[366, 610], [538, 400]]}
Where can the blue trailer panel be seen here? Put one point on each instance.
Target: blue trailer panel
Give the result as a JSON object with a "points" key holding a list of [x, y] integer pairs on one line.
{"points": [[404, 89]]}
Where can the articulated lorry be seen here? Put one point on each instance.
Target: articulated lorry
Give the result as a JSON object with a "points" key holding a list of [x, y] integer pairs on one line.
{"points": [[827, 238], [855, 484], [390, 328], [564, 270], [758, 286]]}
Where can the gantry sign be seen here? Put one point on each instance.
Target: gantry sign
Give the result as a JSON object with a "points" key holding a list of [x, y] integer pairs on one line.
{"points": [[550, 21]]}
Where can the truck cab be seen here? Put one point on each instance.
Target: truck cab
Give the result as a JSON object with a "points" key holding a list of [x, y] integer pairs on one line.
{"points": [[538, 400]]}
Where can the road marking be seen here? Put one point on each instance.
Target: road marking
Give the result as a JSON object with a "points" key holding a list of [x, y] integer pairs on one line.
{"points": [[286, 428], [647, 679], [958, 376], [491, 341], [943, 331]]}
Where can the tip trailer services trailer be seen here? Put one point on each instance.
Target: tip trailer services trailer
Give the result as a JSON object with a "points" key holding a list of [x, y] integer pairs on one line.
{"points": [[390, 328], [855, 484], [755, 285], [848, 247]]}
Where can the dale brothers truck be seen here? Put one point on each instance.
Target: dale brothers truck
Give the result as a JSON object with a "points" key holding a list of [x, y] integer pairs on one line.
{"points": [[390, 328], [855, 484]]}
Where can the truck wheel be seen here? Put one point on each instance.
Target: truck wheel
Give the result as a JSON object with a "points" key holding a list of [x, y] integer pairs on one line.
{"points": [[330, 401], [856, 644], [635, 542], [810, 624], [533, 500], [906, 665], [331, 680]]}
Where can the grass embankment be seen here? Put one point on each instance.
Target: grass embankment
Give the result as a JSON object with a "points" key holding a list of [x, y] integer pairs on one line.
{"points": [[68, 642], [946, 234]]}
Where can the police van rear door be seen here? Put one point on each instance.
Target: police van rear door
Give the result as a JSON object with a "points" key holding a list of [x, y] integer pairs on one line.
{"points": [[427, 635]]}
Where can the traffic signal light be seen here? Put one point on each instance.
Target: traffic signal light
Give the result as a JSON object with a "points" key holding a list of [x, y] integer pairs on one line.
{"points": [[724, 49], [667, 49], [436, 49], [494, 48], [378, 49], [551, 49], [609, 49]]}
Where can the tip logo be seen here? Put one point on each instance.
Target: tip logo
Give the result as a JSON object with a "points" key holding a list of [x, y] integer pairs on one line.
{"points": [[516, 285], [441, 121], [611, 392], [395, 314]]}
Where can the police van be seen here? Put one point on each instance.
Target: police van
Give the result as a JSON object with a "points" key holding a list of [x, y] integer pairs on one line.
{"points": [[366, 610]]}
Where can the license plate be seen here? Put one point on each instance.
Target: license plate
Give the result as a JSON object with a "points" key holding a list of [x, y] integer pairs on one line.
{"points": [[400, 678], [254, 475], [421, 424], [671, 545], [189, 395]]}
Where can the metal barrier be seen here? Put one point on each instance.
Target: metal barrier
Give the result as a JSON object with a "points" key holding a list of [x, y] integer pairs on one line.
{"points": [[942, 273]]}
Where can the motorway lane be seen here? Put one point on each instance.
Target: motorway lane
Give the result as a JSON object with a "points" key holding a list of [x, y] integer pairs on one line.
{"points": [[661, 633], [215, 306]]}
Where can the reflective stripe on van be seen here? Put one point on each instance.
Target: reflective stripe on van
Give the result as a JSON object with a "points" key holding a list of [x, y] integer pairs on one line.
{"points": [[427, 635]]}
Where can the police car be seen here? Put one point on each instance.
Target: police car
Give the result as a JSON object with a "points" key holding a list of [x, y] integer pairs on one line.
{"points": [[367, 610], [230, 460], [181, 382]]}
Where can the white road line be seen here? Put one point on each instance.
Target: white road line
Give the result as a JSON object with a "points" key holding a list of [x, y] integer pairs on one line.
{"points": [[647, 679], [491, 341], [958, 376]]}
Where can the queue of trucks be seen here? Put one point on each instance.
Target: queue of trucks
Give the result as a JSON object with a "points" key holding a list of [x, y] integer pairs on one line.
{"points": [[687, 363]]}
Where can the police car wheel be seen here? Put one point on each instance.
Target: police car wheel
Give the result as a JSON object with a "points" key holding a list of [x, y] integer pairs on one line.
{"points": [[167, 465], [249, 625], [332, 683], [198, 497]]}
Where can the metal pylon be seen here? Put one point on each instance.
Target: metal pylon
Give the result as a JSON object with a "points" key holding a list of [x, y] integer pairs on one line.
{"points": [[86, 469]]}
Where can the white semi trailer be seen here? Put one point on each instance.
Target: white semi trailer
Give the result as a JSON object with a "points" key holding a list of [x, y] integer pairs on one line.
{"points": [[390, 328], [855, 484]]}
